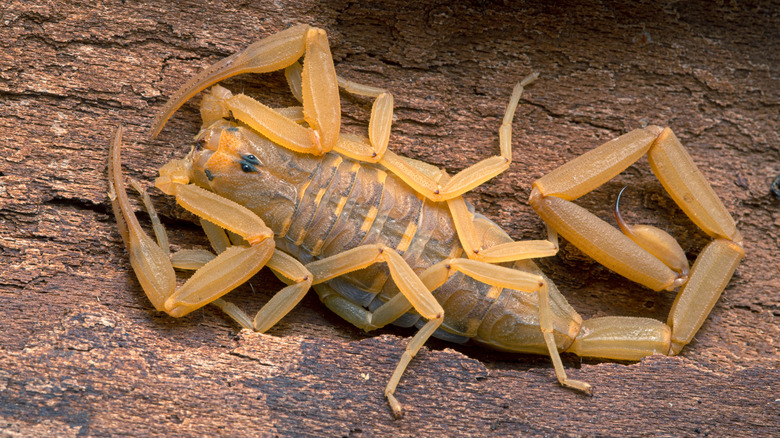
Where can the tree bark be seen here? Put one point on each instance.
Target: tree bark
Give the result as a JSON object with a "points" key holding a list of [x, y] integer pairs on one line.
{"points": [[84, 353]]}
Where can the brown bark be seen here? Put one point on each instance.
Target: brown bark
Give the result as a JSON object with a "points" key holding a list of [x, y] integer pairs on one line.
{"points": [[83, 351]]}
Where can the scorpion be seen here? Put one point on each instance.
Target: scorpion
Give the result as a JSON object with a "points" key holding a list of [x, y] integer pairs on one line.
{"points": [[386, 239]]}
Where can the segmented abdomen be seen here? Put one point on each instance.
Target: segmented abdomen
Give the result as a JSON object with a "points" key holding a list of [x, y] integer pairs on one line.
{"points": [[348, 204]]}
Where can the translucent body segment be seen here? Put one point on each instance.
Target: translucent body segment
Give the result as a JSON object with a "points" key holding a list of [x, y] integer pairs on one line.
{"points": [[709, 276], [321, 100], [621, 338], [269, 54], [278, 128], [595, 167], [603, 242], [674, 167]]}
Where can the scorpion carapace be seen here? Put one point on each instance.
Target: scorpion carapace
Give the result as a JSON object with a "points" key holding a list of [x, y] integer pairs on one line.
{"points": [[387, 239]]}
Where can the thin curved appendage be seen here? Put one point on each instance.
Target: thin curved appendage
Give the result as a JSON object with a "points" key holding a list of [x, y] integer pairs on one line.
{"points": [[294, 76], [269, 54], [150, 263], [472, 176], [657, 242], [157, 226], [298, 280], [411, 287], [503, 277]]}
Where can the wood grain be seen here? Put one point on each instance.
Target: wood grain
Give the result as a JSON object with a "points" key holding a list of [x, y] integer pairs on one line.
{"points": [[84, 353]]}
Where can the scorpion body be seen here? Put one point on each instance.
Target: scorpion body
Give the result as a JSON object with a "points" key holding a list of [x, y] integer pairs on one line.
{"points": [[322, 206], [386, 239]]}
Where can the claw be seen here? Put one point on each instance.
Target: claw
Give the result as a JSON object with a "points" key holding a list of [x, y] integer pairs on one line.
{"points": [[269, 54]]}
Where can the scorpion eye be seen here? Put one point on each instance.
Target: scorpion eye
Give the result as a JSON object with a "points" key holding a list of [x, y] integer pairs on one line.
{"points": [[248, 163]]}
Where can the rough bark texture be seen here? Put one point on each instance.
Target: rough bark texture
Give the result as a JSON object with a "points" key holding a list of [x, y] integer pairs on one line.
{"points": [[84, 353]]}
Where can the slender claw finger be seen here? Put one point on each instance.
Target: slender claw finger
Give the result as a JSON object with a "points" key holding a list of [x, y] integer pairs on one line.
{"points": [[269, 54]]}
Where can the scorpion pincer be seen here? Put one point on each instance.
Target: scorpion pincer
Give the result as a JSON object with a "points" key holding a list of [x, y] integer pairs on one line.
{"points": [[387, 239]]}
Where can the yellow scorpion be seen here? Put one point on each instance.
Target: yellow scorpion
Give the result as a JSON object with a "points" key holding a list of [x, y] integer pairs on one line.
{"points": [[387, 239]]}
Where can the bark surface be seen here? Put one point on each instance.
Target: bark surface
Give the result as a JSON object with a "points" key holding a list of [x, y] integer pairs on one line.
{"points": [[84, 353]]}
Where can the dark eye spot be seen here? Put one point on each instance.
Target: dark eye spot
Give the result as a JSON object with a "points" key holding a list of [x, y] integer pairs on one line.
{"points": [[208, 174], [199, 144], [251, 159], [248, 163], [232, 128]]}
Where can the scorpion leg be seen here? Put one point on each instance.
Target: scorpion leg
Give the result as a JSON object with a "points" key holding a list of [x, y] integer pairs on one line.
{"points": [[504, 277], [152, 264], [286, 268], [378, 126], [676, 171], [298, 280], [470, 177], [381, 119], [412, 289], [266, 55], [476, 247]]}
